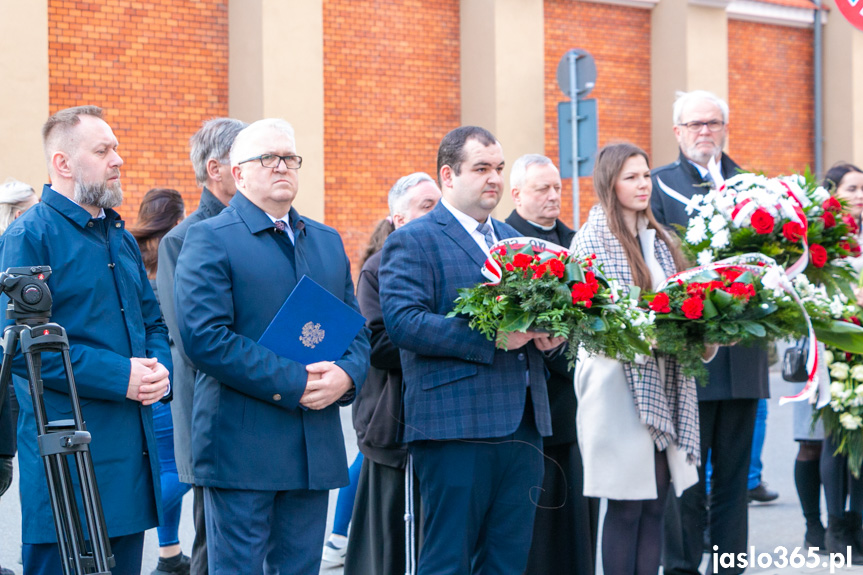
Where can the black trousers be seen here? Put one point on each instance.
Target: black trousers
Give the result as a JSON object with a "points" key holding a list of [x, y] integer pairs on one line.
{"points": [[199, 545], [565, 528], [376, 544], [726, 431]]}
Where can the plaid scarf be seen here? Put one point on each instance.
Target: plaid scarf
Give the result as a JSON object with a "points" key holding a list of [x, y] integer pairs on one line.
{"points": [[668, 408]]}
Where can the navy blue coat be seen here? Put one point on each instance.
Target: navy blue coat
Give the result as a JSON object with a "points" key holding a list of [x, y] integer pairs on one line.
{"points": [[248, 431], [457, 384], [110, 314]]}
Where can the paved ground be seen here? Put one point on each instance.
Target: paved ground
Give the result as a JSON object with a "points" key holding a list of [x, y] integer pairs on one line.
{"points": [[770, 525]]}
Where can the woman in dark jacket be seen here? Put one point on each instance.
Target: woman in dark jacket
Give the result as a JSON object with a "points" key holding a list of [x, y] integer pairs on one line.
{"points": [[377, 542]]}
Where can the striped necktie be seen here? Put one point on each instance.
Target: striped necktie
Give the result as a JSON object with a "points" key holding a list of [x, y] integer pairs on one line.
{"points": [[485, 230]]}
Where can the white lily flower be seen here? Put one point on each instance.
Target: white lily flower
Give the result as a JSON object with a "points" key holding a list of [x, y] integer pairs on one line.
{"points": [[836, 388], [828, 357], [857, 375]]}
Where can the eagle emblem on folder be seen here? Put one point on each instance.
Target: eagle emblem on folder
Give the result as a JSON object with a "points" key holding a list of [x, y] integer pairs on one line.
{"points": [[312, 334]]}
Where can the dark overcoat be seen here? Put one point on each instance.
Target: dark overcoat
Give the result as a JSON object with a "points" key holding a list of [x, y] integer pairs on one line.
{"points": [[104, 300], [248, 430]]}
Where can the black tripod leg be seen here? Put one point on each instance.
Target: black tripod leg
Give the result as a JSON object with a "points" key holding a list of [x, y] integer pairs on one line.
{"points": [[100, 544], [62, 518]]}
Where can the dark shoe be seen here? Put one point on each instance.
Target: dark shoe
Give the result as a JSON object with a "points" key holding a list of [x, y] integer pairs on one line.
{"points": [[761, 494], [815, 537], [4, 571], [854, 523], [838, 539], [176, 565]]}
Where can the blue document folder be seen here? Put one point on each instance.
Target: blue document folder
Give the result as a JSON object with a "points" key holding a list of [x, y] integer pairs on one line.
{"points": [[312, 325]]}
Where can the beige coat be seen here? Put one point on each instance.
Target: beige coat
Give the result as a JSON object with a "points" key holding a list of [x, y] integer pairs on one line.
{"points": [[616, 447]]}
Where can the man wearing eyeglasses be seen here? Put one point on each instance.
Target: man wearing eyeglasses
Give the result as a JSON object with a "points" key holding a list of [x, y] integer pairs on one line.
{"points": [[738, 376], [267, 443]]}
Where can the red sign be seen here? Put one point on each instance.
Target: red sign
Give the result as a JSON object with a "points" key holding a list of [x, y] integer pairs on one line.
{"points": [[853, 11]]}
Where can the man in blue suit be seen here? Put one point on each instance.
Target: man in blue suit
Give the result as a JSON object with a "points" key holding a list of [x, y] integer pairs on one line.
{"points": [[475, 414], [117, 340], [267, 442]]}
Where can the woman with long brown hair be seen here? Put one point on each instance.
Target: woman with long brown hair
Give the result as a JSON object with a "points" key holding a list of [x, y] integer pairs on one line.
{"points": [[637, 424], [161, 210]]}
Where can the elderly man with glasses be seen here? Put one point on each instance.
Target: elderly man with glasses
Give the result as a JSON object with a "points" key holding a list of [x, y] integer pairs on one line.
{"points": [[738, 378], [267, 443]]}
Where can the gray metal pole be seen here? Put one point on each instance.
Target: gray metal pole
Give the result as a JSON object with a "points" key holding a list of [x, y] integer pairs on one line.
{"points": [[573, 102], [818, 99]]}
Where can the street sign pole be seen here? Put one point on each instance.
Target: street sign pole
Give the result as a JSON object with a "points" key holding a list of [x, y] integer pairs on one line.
{"points": [[573, 100]]}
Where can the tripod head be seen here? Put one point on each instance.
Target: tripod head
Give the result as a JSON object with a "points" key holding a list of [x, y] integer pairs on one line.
{"points": [[29, 297]]}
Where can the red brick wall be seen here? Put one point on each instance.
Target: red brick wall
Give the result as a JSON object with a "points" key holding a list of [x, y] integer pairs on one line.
{"points": [[391, 92], [159, 69], [619, 40], [770, 96]]}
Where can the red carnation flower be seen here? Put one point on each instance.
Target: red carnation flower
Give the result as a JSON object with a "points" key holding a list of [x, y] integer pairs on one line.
{"points": [[855, 247], [792, 231], [696, 289], [762, 221], [692, 307], [509, 267], [660, 303], [855, 320], [849, 221], [730, 274], [539, 271], [817, 255], [556, 267], [829, 219], [741, 290], [522, 261], [831, 204], [581, 292]]}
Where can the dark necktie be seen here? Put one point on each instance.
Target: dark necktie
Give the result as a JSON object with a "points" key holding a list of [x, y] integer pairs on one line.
{"points": [[485, 230]]}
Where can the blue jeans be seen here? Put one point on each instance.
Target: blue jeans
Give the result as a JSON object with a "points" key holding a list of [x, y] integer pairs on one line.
{"points": [[345, 502], [758, 435], [172, 489]]}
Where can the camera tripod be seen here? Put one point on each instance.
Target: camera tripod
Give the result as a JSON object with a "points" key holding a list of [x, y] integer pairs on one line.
{"points": [[30, 307]]}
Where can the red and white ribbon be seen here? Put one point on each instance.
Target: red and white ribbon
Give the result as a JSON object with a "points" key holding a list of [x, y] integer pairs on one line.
{"points": [[774, 277], [491, 269]]}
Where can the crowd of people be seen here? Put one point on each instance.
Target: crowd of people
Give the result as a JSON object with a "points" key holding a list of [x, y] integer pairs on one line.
{"points": [[476, 455]]}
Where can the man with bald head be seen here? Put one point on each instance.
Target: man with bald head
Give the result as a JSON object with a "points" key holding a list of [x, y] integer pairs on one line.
{"points": [[118, 342], [267, 442]]}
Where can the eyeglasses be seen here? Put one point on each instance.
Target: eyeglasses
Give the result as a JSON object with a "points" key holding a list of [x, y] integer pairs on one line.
{"points": [[273, 161], [695, 127]]}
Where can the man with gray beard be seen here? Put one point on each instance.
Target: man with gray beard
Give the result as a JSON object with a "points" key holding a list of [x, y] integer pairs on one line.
{"points": [[118, 342]]}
